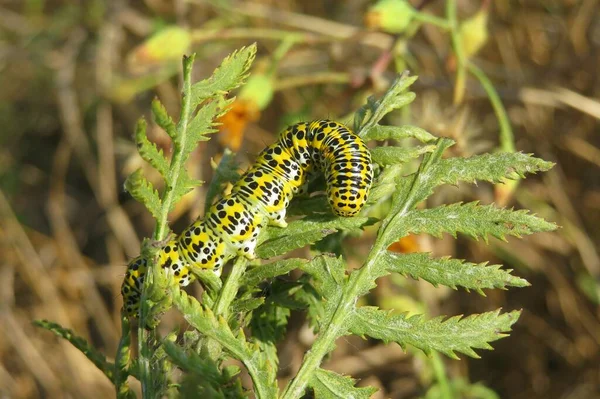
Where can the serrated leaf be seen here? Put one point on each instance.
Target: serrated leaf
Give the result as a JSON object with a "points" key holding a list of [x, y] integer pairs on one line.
{"points": [[328, 271], [247, 305], [385, 184], [225, 172], [149, 151], [186, 184], [395, 97], [123, 361], [211, 282], [397, 155], [328, 274], [205, 321], [269, 325], [201, 125], [143, 191], [162, 118], [330, 385], [455, 334], [230, 74], [284, 294], [415, 188], [277, 241], [303, 205], [381, 133], [203, 376], [80, 343], [450, 272], [471, 219], [254, 276], [493, 168]]}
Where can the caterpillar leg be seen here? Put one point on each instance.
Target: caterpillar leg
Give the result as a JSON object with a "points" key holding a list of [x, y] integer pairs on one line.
{"points": [[277, 218]]}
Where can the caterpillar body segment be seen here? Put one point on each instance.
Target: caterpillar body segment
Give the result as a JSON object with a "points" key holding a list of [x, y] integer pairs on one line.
{"points": [[260, 198]]}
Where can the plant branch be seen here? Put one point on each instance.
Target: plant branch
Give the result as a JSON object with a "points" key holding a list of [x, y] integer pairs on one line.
{"points": [[230, 288]]}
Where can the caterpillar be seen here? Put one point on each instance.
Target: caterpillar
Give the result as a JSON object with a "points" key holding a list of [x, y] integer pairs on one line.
{"points": [[261, 197]]}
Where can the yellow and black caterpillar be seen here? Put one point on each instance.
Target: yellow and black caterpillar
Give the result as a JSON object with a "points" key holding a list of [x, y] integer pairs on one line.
{"points": [[260, 197]]}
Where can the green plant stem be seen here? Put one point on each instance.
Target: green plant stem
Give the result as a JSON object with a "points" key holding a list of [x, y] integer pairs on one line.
{"points": [[162, 228], [326, 338], [432, 20], [461, 71], [144, 353], [507, 138], [122, 360], [230, 288], [161, 231], [313, 358], [440, 375], [280, 52]]}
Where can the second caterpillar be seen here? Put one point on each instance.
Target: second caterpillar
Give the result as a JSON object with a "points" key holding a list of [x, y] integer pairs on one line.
{"points": [[260, 198]]}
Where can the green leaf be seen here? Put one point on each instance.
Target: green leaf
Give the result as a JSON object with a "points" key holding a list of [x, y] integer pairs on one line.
{"points": [[198, 129], [149, 151], [385, 184], [329, 273], [455, 334], [396, 97], [143, 191], [123, 361], [269, 325], [254, 276], [205, 321], [246, 305], [415, 188], [80, 343], [381, 133], [162, 118], [471, 219], [397, 155], [209, 279], [450, 272], [493, 168], [435, 171], [277, 241], [230, 74], [202, 374], [185, 185], [284, 293], [330, 385], [225, 172], [329, 279]]}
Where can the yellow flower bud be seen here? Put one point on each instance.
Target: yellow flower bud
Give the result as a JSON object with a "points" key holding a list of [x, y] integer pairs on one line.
{"points": [[391, 16], [473, 33]]}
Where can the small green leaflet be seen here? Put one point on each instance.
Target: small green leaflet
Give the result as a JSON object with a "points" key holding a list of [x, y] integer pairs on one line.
{"points": [[381, 133], [471, 219], [455, 334], [450, 272], [330, 385], [80, 343]]}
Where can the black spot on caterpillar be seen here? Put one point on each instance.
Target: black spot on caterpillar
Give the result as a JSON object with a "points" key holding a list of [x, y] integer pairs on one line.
{"points": [[261, 197]]}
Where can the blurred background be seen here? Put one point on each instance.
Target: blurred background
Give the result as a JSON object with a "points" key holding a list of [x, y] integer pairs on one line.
{"points": [[494, 75]]}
